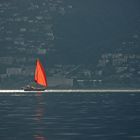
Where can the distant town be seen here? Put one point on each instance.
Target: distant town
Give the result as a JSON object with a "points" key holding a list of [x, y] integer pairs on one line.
{"points": [[25, 36], [113, 70]]}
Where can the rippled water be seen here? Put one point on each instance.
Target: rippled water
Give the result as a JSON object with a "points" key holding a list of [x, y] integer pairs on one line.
{"points": [[70, 116]]}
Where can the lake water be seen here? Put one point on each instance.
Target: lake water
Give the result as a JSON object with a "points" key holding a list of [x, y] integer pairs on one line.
{"points": [[70, 116]]}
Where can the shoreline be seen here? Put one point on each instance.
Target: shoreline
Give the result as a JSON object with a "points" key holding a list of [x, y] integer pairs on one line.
{"points": [[73, 91]]}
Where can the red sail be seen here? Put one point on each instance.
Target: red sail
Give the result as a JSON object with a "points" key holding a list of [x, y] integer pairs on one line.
{"points": [[40, 75]]}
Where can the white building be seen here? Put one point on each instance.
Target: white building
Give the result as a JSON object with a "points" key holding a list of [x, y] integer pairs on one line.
{"points": [[59, 82]]}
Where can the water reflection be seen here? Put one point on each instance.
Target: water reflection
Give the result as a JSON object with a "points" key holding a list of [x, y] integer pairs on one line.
{"points": [[40, 110], [39, 137], [70, 116]]}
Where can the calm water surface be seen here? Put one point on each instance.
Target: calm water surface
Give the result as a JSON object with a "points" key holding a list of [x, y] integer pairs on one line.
{"points": [[70, 116]]}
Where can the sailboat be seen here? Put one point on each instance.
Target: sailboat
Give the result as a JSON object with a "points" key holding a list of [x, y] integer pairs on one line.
{"points": [[39, 78]]}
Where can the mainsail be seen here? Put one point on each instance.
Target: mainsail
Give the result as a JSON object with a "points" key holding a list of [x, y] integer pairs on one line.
{"points": [[40, 75]]}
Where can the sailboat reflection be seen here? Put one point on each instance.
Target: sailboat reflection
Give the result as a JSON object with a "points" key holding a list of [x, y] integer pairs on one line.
{"points": [[38, 137], [40, 110]]}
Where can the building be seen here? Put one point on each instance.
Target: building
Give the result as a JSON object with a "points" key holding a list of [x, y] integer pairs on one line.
{"points": [[60, 82]]}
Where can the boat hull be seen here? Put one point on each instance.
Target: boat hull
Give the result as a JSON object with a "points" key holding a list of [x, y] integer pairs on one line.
{"points": [[34, 89]]}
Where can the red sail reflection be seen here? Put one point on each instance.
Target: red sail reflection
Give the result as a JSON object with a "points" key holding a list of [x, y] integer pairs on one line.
{"points": [[40, 110], [39, 137]]}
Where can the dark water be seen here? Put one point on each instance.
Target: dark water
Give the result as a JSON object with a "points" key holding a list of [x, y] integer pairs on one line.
{"points": [[70, 116]]}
